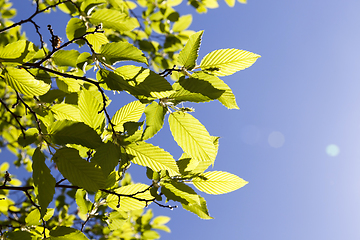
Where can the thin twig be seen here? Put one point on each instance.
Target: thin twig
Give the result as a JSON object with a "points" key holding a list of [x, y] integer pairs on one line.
{"points": [[16, 117]]}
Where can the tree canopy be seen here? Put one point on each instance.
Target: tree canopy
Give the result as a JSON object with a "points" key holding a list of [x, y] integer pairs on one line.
{"points": [[54, 98]]}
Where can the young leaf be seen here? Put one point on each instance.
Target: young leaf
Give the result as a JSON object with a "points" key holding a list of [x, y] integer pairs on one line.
{"points": [[217, 182], [78, 171], [66, 132], [224, 62], [22, 81], [84, 204], [44, 182], [192, 136], [121, 51], [189, 54], [137, 195], [64, 111], [89, 108], [148, 155], [114, 20], [155, 114], [131, 112]]}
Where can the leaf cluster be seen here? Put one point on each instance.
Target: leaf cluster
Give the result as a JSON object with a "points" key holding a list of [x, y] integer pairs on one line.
{"points": [[54, 118]]}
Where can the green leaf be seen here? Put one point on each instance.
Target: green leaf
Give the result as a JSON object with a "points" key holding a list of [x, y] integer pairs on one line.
{"points": [[44, 182], [114, 20], [116, 219], [31, 135], [22, 81], [146, 86], [145, 81], [68, 85], [64, 111], [199, 85], [107, 157], [89, 108], [148, 155], [187, 57], [199, 209], [96, 40], [66, 233], [192, 136], [227, 98], [217, 182], [161, 220], [34, 218], [131, 112], [134, 196], [19, 235], [224, 62], [78, 171], [155, 115], [84, 204], [75, 28], [183, 23], [121, 51], [189, 199], [230, 3], [18, 52], [67, 132], [84, 60], [66, 57], [183, 95], [88, 5]]}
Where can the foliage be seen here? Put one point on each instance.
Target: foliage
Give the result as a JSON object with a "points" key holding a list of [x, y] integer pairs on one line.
{"points": [[54, 118]]}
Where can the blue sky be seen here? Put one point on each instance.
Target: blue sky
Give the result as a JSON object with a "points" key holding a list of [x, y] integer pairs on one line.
{"points": [[302, 95]]}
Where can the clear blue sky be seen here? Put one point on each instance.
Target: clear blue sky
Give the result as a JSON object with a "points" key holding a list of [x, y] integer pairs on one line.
{"points": [[301, 96]]}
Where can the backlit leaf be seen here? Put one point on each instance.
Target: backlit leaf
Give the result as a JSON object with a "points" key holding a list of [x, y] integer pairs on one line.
{"points": [[187, 57], [79, 171], [192, 136], [107, 157], [66, 132], [22, 81], [155, 115], [183, 23], [75, 28], [66, 233], [224, 62], [227, 98], [148, 155], [189, 199], [114, 20], [131, 112], [64, 111], [134, 197], [89, 108], [97, 40], [217, 182], [43, 180], [65, 57], [121, 51]]}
